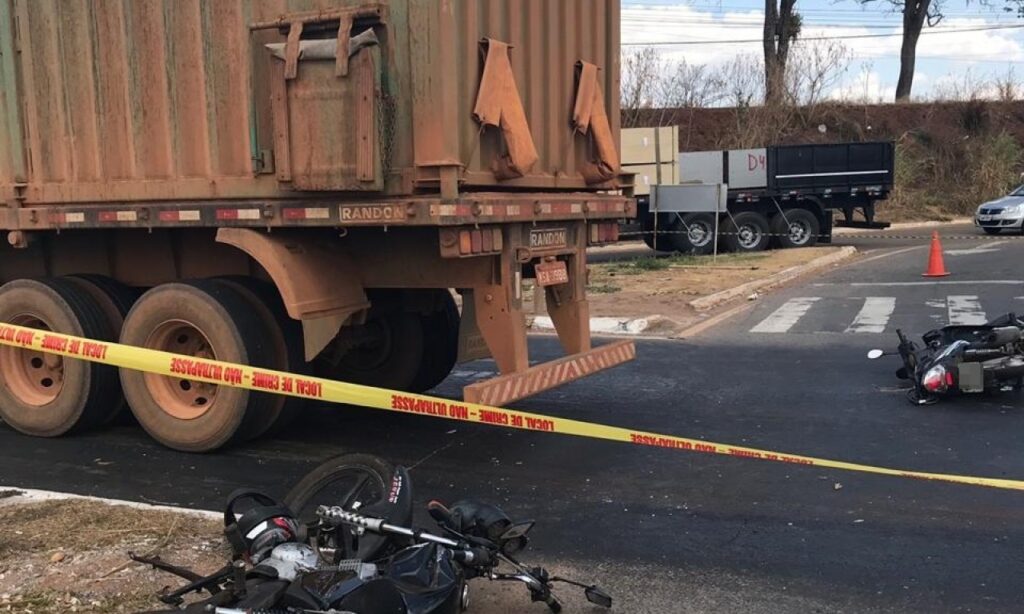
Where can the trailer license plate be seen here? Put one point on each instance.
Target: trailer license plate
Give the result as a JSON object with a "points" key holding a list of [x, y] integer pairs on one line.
{"points": [[551, 273]]}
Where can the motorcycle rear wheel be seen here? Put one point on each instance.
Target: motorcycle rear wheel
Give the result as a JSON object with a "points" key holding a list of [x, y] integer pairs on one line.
{"points": [[351, 481]]}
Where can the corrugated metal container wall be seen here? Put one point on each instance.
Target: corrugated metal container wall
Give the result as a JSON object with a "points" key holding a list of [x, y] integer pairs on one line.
{"points": [[171, 99], [548, 38]]}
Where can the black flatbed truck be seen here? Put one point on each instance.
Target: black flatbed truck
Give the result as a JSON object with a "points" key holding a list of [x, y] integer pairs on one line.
{"points": [[782, 196]]}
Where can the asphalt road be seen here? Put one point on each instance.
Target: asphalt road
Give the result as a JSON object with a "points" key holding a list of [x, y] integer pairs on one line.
{"points": [[670, 531]]}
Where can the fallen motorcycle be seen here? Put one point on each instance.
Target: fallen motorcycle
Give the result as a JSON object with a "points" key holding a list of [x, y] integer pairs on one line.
{"points": [[962, 359], [342, 542]]}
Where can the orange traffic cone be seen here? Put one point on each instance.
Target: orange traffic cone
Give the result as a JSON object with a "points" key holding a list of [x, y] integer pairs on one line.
{"points": [[936, 267]]}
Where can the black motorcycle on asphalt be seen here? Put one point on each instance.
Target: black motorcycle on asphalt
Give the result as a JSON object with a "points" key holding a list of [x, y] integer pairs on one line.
{"points": [[342, 542], [962, 359]]}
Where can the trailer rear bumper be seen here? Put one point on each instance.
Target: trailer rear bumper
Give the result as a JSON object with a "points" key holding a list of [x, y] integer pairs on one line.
{"points": [[514, 386]]}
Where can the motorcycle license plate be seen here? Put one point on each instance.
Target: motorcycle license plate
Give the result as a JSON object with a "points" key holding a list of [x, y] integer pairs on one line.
{"points": [[551, 273]]}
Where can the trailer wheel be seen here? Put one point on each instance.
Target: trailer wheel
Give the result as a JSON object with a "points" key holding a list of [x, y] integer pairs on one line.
{"points": [[44, 394], [746, 231], [441, 344], [115, 300], [694, 233], [207, 320], [284, 337], [386, 351], [664, 239], [799, 228]]}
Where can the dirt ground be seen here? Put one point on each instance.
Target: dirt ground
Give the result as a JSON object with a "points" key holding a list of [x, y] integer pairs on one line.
{"points": [[71, 555], [665, 286]]}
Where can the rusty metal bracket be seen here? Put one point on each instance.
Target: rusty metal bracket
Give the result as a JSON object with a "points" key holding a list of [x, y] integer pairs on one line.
{"points": [[590, 117], [296, 22], [498, 104]]}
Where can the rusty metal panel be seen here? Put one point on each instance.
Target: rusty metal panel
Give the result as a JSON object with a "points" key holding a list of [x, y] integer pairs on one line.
{"points": [[12, 153], [170, 100], [547, 39]]}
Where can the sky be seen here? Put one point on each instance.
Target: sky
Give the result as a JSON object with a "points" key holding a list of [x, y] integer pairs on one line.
{"points": [[947, 56]]}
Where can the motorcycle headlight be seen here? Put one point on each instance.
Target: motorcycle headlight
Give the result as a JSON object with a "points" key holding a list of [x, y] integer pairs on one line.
{"points": [[937, 379]]}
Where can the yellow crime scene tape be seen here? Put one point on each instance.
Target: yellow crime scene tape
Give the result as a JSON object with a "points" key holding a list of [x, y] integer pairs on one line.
{"points": [[278, 382]]}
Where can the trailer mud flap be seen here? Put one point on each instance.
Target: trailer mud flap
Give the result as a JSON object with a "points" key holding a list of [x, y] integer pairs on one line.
{"points": [[507, 388]]}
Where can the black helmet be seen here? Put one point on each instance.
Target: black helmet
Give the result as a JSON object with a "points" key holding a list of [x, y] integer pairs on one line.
{"points": [[260, 528]]}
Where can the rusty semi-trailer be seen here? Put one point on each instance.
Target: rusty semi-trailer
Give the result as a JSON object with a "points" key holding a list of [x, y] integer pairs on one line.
{"points": [[299, 185]]}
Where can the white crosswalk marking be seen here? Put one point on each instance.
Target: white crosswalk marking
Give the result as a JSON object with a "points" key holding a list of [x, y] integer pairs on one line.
{"points": [[783, 318], [965, 309], [874, 315]]}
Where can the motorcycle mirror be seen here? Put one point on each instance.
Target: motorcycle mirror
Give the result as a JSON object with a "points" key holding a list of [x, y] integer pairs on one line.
{"points": [[598, 597], [520, 529], [875, 354]]}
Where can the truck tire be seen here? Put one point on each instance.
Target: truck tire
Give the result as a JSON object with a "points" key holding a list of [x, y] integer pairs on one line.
{"points": [[387, 351], [746, 231], [694, 234], [45, 394], [799, 228], [284, 338], [205, 319], [664, 242], [115, 300], [441, 344]]}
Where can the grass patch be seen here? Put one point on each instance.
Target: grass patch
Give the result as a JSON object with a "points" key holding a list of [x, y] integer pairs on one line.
{"points": [[645, 264], [82, 525], [603, 289]]}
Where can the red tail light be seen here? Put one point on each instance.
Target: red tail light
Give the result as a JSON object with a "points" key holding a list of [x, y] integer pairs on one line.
{"points": [[937, 379]]}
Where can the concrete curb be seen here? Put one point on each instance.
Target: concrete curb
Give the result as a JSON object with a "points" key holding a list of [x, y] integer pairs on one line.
{"points": [[31, 495], [839, 230], [604, 325], [713, 300]]}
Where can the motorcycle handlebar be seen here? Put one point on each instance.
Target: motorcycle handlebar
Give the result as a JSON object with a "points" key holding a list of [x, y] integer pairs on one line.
{"points": [[260, 611], [476, 557]]}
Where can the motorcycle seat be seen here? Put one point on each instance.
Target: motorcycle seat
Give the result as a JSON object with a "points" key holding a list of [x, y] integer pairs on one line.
{"points": [[998, 337]]}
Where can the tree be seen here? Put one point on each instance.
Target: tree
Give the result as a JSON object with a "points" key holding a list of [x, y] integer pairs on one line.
{"points": [[654, 88], [814, 69], [640, 71], [916, 13], [781, 27]]}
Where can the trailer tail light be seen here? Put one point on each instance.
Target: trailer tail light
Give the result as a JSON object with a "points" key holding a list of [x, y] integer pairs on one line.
{"points": [[603, 232], [462, 242]]}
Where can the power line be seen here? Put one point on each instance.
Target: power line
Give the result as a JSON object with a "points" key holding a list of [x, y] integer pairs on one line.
{"points": [[739, 25], [755, 5], [817, 38], [758, 22]]}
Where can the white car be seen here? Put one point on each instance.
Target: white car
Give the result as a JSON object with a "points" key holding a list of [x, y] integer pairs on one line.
{"points": [[1006, 213]]}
